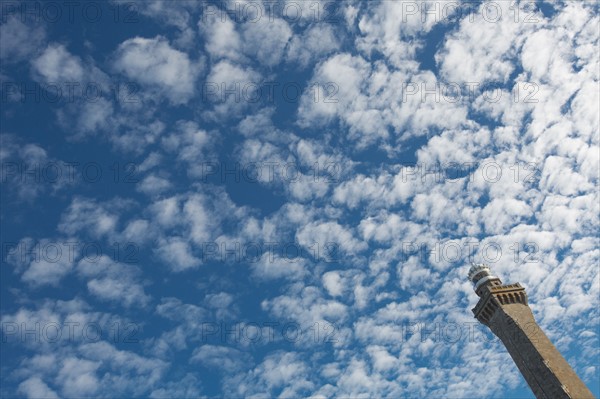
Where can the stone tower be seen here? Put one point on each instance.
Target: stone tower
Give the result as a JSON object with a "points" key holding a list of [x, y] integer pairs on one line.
{"points": [[503, 308]]}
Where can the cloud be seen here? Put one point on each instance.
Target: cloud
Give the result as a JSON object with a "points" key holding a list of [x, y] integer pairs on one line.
{"points": [[34, 387], [78, 377], [53, 261], [501, 214], [138, 231], [154, 185], [395, 30], [567, 182], [223, 358], [177, 254], [189, 386], [313, 44], [18, 41], [333, 283], [382, 191], [231, 88], [327, 233], [191, 145], [197, 211], [178, 15], [272, 267], [368, 290], [282, 374], [309, 308], [167, 212], [484, 46], [42, 262], [113, 281], [30, 171], [266, 40], [95, 368], [159, 67], [222, 38], [86, 215], [374, 103], [57, 65]]}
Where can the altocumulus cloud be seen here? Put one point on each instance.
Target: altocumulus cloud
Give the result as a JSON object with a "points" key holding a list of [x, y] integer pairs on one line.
{"points": [[167, 232]]}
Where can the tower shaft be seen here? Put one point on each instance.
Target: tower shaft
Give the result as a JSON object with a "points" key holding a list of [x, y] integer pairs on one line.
{"points": [[504, 309]]}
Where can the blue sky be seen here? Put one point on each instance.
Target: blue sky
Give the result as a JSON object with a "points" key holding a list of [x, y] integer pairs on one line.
{"points": [[282, 199]]}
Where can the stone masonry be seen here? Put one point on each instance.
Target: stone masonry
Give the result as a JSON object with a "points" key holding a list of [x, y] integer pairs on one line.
{"points": [[504, 309]]}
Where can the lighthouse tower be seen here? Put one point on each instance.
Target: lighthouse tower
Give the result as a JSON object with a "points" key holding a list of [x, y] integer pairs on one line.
{"points": [[504, 309]]}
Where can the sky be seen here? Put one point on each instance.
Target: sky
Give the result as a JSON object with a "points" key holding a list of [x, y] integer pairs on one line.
{"points": [[282, 199]]}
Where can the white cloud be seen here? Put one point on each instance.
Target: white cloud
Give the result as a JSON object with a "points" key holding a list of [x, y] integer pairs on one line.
{"points": [[113, 281], [221, 37], [43, 262], [306, 307], [152, 160], [177, 254], [78, 377], [188, 387], [222, 304], [394, 29], [266, 39], [328, 233], [57, 65], [178, 15], [333, 283], [232, 89], [158, 66], [281, 374], [191, 145], [202, 223], [372, 101], [313, 44], [386, 228], [167, 212], [220, 357], [78, 362], [370, 211], [383, 190], [34, 387], [19, 41], [501, 214], [153, 185], [18, 157], [484, 47], [46, 271], [138, 231], [272, 267], [85, 215], [559, 177], [122, 363]]}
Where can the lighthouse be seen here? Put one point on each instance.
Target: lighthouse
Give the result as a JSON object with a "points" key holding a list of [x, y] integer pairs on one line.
{"points": [[504, 309]]}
